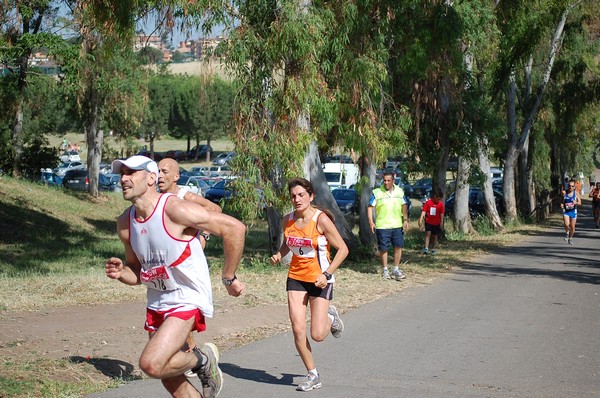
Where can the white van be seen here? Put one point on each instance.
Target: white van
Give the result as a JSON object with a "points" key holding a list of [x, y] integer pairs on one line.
{"points": [[496, 173], [341, 175]]}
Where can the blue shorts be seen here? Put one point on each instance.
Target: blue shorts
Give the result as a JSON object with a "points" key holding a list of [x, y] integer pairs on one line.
{"points": [[596, 204], [389, 237], [571, 213]]}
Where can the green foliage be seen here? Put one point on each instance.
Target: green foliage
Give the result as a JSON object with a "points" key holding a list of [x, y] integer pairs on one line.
{"points": [[160, 102], [149, 55], [325, 65], [200, 107], [45, 110]]}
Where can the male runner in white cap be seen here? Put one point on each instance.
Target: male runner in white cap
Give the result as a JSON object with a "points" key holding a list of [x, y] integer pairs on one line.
{"points": [[161, 250]]}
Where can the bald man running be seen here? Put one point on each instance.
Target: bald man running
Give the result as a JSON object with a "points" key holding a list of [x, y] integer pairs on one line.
{"points": [[167, 183]]}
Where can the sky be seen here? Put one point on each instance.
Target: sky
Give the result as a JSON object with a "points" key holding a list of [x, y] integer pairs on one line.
{"points": [[178, 35]]}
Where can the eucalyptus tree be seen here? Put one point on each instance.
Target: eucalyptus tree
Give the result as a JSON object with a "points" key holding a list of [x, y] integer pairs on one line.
{"points": [[574, 94], [479, 41], [313, 75], [526, 28], [109, 84], [25, 30], [155, 122], [201, 108], [429, 76]]}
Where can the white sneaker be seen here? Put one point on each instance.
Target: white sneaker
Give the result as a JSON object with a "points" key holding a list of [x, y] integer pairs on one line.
{"points": [[337, 326], [310, 382], [398, 274], [386, 274]]}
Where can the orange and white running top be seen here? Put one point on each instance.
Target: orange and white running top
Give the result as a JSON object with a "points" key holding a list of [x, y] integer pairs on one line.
{"points": [[309, 247], [174, 270]]}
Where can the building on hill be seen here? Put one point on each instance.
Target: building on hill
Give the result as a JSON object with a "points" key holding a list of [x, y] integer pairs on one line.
{"points": [[142, 41]]}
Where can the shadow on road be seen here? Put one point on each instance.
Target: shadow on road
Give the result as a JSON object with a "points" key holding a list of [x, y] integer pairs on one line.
{"points": [[112, 368], [257, 375], [580, 259]]}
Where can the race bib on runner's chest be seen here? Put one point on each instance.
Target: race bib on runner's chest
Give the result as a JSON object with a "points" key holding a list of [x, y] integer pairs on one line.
{"points": [[158, 279], [569, 206], [432, 211], [301, 246]]}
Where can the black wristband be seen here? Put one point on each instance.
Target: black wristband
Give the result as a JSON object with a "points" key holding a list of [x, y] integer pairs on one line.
{"points": [[327, 275]]}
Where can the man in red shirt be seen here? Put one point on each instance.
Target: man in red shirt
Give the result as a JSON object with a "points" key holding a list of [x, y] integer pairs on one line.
{"points": [[432, 216]]}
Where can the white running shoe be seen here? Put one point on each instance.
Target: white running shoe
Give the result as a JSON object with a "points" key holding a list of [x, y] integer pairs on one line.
{"points": [[337, 326], [310, 382]]}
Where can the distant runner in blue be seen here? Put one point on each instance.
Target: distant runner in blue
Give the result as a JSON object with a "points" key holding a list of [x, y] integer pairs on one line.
{"points": [[569, 205]]}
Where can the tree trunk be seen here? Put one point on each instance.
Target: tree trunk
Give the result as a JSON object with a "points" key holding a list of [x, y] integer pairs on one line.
{"points": [[366, 236], [275, 229], [94, 139], [510, 205], [462, 217], [488, 194], [313, 171], [17, 138], [439, 178], [524, 204], [17, 128], [516, 145]]}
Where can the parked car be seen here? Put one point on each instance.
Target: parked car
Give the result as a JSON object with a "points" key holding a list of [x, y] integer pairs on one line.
{"points": [[422, 187], [47, 177], [211, 181], [496, 172], [177, 155], [339, 159], [498, 184], [158, 156], [76, 179], [219, 191], [70, 156], [64, 167], [105, 168], [109, 182], [194, 184], [393, 163], [346, 199], [219, 171], [199, 151], [199, 170], [223, 158], [476, 202]]}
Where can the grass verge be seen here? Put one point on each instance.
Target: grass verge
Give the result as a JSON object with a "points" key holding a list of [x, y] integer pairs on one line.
{"points": [[53, 245]]}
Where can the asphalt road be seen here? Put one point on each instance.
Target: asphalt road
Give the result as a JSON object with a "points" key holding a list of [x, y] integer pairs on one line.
{"points": [[524, 322]]}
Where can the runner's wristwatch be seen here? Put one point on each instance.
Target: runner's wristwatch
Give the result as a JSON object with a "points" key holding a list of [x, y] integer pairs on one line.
{"points": [[327, 275], [227, 281]]}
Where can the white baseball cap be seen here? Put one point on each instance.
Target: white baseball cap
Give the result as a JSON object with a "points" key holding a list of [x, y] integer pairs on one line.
{"points": [[136, 162]]}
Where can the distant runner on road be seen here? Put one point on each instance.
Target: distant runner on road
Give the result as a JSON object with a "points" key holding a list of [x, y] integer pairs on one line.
{"points": [[569, 205]]}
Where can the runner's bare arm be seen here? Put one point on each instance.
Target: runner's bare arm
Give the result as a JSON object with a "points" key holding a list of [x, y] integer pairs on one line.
{"points": [[128, 273], [325, 224], [202, 201], [232, 232]]}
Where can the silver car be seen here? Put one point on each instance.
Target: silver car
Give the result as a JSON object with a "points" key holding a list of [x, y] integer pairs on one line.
{"points": [[70, 156], [62, 168], [223, 158], [193, 184]]}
